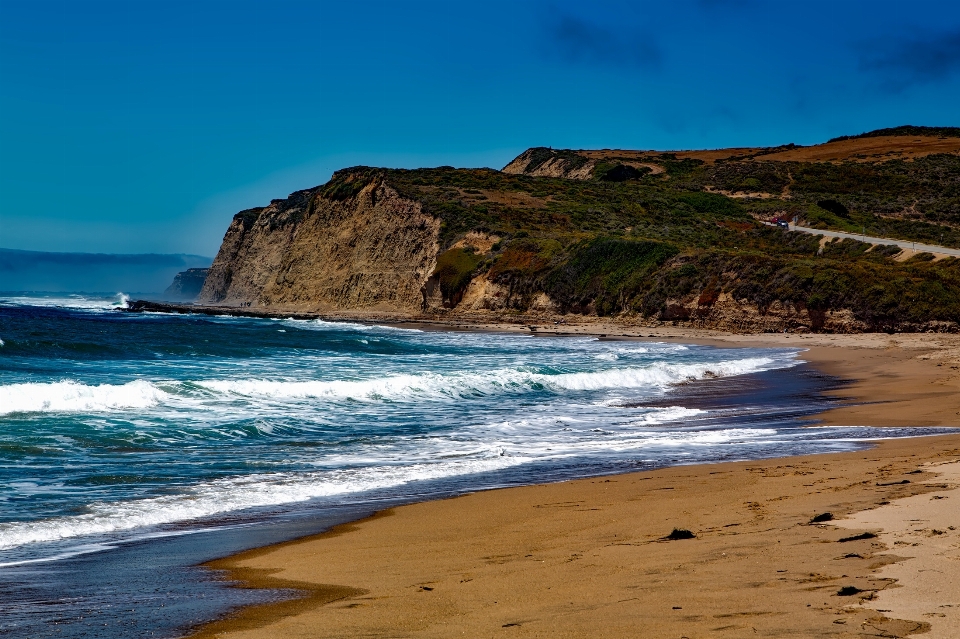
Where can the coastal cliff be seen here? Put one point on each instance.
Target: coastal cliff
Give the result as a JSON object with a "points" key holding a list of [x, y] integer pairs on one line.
{"points": [[647, 237], [320, 250]]}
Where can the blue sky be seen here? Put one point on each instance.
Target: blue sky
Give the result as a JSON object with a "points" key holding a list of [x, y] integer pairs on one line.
{"points": [[142, 126]]}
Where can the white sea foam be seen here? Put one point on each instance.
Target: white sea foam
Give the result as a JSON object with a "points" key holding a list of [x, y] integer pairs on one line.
{"points": [[72, 397], [77, 551], [658, 375], [660, 347], [238, 493], [324, 325], [636, 440], [668, 414], [221, 496], [639, 350], [74, 302], [418, 386], [516, 444]]}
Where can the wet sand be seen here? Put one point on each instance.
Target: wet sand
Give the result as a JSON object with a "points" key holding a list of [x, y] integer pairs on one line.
{"points": [[592, 557]]}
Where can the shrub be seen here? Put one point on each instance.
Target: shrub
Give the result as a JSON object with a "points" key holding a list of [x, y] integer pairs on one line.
{"points": [[607, 272], [454, 271], [834, 207], [712, 203], [623, 172]]}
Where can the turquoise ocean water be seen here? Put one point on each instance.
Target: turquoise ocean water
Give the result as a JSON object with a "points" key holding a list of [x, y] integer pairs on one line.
{"points": [[133, 433]]}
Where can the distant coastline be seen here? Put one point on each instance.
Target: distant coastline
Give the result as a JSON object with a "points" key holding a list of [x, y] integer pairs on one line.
{"points": [[92, 272]]}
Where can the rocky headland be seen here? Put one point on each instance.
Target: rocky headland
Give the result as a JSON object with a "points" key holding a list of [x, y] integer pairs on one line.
{"points": [[641, 237]]}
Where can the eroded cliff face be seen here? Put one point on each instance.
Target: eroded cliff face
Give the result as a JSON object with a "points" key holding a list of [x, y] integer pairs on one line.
{"points": [[541, 162], [373, 250]]}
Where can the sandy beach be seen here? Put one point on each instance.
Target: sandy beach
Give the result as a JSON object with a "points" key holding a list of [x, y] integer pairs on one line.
{"points": [[600, 557]]}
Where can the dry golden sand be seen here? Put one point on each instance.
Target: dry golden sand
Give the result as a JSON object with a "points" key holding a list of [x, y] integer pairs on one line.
{"points": [[926, 529], [588, 558]]}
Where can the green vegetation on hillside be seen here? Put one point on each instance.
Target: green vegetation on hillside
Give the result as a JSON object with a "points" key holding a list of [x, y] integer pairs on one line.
{"points": [[917, 199], [657, 244], [454, 270], [912, 199]]}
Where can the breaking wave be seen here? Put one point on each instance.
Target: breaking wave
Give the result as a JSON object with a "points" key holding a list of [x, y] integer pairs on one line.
{"points": [[74, 301], [417, 387], [324, 325], [73, 397]]}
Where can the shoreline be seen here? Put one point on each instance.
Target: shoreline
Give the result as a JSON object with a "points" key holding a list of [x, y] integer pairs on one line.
{"points": [[881, 373], [903, 379], [751, 567]]}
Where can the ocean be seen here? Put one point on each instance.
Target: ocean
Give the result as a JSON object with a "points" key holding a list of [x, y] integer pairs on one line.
{"points": [[134, 446]]}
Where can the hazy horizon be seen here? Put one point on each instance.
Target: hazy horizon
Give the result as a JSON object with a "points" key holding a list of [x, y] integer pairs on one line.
{"points": [[73, 272]]}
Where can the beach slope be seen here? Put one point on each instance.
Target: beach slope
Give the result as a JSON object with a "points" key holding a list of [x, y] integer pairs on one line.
{"points": [[595, 557], [612, 557]]}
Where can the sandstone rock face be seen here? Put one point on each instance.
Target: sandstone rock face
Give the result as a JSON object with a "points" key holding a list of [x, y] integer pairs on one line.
{"points": [[539, 162], [728, 314], [371, 251]]}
